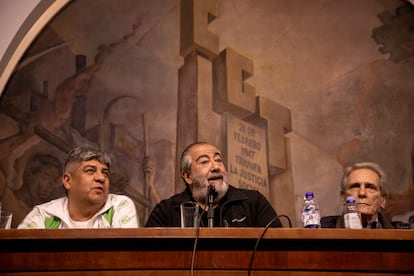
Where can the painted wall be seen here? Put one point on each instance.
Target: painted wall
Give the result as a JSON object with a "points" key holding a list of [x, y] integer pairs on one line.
{"points": [[99, 66]]}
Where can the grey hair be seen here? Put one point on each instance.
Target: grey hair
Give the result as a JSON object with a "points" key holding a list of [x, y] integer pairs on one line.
{"points": [[185, 164], [86, 153], [365, 165]]}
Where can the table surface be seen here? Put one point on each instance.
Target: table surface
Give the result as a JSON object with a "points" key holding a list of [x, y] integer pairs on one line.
{"points": [[217, 232], [222, 251]]}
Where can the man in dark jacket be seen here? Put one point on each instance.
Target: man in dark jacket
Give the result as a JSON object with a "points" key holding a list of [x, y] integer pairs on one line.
{"points": [[203, 171], [366, 183]]}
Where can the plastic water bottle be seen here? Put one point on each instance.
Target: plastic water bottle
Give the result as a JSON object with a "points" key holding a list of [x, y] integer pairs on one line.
{"points": [[311, 217], [352, 217]]}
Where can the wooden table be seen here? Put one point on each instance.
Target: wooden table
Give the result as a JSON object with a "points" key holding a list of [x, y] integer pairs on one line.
{"points": [[220, 251]]}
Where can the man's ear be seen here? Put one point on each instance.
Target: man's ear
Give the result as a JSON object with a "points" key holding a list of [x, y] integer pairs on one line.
{"points": [[187, 177], [343, 199], [66, 180], [383, 202]]}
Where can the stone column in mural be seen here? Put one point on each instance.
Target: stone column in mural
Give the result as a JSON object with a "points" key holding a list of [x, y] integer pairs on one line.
{"points": [[217, 105], [198, 46]]}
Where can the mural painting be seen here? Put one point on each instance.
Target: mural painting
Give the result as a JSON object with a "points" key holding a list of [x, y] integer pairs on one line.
{"points": [[143, 80]]}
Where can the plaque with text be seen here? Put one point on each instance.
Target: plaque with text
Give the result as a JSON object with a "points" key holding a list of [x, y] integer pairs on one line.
{"points": [[246, 155]]}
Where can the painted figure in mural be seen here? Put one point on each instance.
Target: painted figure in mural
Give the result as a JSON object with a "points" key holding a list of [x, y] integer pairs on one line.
{"points": [[41, 180], [41, 183], [88, 203], [401, 206], [366, 183], [205, 175]]}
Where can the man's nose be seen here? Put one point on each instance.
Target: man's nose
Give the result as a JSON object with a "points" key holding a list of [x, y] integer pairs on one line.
{"points": [[215, 166], [361, 190], [100, 177]]}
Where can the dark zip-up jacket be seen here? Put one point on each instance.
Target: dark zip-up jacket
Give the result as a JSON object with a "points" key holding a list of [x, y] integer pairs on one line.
{"points": [[238, 208], [384, 222]]}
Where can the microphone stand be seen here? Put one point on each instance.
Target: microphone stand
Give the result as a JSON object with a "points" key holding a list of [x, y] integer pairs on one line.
{"points": [[210, 204]]}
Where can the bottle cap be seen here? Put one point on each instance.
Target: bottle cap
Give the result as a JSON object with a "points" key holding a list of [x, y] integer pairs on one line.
{"points": [[350, 199], [309, 194]]}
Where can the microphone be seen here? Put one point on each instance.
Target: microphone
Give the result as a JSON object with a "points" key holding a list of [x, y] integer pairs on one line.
{"points": [[210, 213]]}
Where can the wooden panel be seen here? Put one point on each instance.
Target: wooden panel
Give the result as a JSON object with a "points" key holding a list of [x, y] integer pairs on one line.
{"points": [[221, 250]]}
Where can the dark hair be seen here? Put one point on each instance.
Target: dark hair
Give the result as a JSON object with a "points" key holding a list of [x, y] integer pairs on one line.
{"points": [[86, 153], [365, 165]]}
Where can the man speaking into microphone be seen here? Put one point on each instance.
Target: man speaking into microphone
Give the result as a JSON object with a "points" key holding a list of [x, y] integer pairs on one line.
{"points": [[205, 176]]}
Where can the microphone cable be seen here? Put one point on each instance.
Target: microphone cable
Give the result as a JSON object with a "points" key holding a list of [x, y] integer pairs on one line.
{"points": [[261, 236], [196, 239]]}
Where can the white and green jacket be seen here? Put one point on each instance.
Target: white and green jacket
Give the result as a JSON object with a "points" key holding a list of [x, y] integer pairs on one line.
{"points": [[119, 211]]}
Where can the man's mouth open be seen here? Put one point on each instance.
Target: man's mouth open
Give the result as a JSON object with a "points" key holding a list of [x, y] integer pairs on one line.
{"points": [[215, 179]]}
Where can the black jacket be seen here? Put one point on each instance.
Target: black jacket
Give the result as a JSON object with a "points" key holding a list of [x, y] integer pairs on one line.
{"points": [[385, 223], [238, 208]]}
